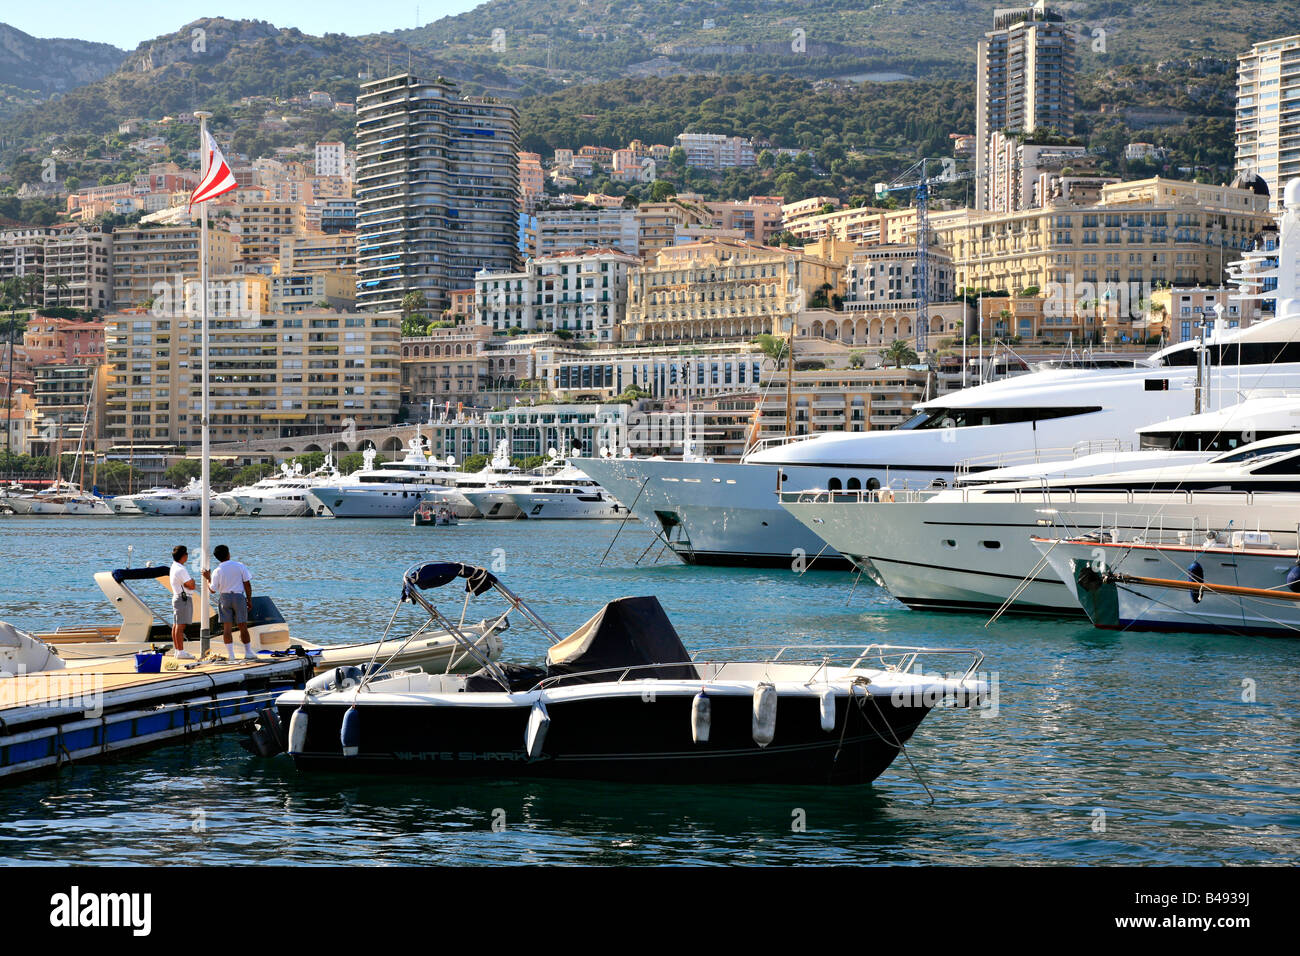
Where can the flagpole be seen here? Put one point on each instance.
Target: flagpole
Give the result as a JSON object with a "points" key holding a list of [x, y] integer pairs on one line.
{"points": [[205, 614]]}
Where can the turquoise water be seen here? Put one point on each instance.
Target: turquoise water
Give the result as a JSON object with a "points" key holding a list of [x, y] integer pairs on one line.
{"points": [[1151, 731]]}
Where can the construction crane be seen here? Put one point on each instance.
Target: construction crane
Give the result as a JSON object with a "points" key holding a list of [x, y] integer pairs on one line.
{"points": [[917, 176]]}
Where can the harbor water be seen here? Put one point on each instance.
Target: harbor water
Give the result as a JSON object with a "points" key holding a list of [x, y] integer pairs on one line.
{"points": [[1103, 748]]}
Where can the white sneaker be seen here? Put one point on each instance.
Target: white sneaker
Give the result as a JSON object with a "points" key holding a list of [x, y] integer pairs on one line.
{"points": [[249, 653], [183, 655]]}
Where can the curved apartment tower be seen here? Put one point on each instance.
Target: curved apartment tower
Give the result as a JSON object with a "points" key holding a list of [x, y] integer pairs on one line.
{"points": [[437, 190]]}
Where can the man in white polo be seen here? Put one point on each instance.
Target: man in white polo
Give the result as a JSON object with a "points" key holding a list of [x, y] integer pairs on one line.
{"points": [[230, 582], [182, 601]]}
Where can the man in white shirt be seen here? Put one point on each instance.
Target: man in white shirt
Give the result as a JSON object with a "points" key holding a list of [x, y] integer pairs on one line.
{"points": [[230, 582], [182, 601]]}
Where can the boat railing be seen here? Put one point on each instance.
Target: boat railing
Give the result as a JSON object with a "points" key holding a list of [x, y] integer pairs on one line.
{"points": [[765, 443], [1160, 530], [1036, 456], [886, 657]]}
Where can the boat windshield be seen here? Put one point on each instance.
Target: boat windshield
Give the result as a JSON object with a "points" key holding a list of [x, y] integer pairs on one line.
{"points": [[1255, 453], [965, 417]]}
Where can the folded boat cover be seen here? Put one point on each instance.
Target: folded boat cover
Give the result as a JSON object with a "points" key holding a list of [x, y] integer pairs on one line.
{"points": [[629, 632]]}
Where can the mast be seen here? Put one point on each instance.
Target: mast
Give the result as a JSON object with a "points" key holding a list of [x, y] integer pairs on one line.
{"points": [[205, 505]]}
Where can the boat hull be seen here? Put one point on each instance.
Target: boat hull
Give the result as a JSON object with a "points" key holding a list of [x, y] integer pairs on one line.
{"points": [[975, 555], [714, 514], [624, 739], [1131, 603]]}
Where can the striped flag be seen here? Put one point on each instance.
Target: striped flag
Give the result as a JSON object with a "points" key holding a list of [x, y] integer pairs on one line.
{"points": [[219, 179]]}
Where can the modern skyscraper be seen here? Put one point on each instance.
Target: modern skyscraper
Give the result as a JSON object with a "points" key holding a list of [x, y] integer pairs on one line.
{"points": [[1268, 114], [1024, 81], [436, 190]]}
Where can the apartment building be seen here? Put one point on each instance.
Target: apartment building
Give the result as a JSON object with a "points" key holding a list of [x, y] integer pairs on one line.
{"points": [[532, 181], [1024, 81], [565, 229], [322, 253], [1268, 113], [437, 190], [664, 371], [71, 398], [716, 151], [78, 268], [1178, 313], [447, 365], [662, 224], [757, 218], [331, 160], [580, 293], [1141, 234], [264, 225], [722, 288], [147, 259], [1019, 172], [275, 375], [839, 399], [302, 291], [22, 255]]}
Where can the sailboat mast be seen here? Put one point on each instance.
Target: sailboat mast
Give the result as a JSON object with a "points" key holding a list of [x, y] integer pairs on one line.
{"points": [[205, 505]]}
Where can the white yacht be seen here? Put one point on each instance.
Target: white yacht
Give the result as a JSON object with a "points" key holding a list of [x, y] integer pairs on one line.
{"points": [[971, 548], [463, 493], [393, 489], [713, 513], [171, 503], [285, 496], [497, 500], [567, 494]]}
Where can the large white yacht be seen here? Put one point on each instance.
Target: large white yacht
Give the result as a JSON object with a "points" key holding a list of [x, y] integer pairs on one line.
{"points": [[393, 489], [169, 502], [970, 548], [712, 513], [567, 494], [285, 496]]}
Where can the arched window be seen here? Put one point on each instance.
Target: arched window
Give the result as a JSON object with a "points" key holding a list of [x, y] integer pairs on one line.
{"points": [[834, 484], [854, 484]]}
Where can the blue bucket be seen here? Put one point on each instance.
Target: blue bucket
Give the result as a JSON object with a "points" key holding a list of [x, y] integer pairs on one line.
{"points": [[148, 663]]}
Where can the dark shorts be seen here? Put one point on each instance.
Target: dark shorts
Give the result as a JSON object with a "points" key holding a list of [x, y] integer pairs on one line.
{"points": [[182, 609], [233, 608]]}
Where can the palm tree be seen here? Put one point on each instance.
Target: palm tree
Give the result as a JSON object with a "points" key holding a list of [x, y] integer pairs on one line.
{"points": [[774, 347], [900, 353], [60, 285], [33, 284]]}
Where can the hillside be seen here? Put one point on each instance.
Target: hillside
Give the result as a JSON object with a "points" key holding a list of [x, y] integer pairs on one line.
{"points": [[237, 58], [32, 69], [545, 42]]}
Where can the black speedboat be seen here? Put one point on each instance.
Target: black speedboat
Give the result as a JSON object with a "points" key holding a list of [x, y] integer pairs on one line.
{"points": [[621, 699]]}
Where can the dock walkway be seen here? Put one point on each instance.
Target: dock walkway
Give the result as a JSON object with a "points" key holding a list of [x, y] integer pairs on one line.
{"points": [[53, 718]]}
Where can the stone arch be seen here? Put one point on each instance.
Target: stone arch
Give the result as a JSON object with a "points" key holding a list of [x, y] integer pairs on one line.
{"points": [[393, 443]]}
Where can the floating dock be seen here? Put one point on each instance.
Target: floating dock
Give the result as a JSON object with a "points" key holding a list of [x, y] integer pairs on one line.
{"points": [[52, 718]]}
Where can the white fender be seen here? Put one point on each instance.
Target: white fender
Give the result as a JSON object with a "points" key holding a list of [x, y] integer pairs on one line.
{"points": [[298, 731], [764, 727], [701, 716], [350, 732], [828, 710], [539, 721]]}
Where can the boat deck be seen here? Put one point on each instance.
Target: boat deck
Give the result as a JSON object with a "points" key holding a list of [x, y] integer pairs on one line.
{"points": [[104, 707]]}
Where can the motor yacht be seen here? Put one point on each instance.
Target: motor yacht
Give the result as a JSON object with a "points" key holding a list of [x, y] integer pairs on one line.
{"points": [[715, 513]]}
